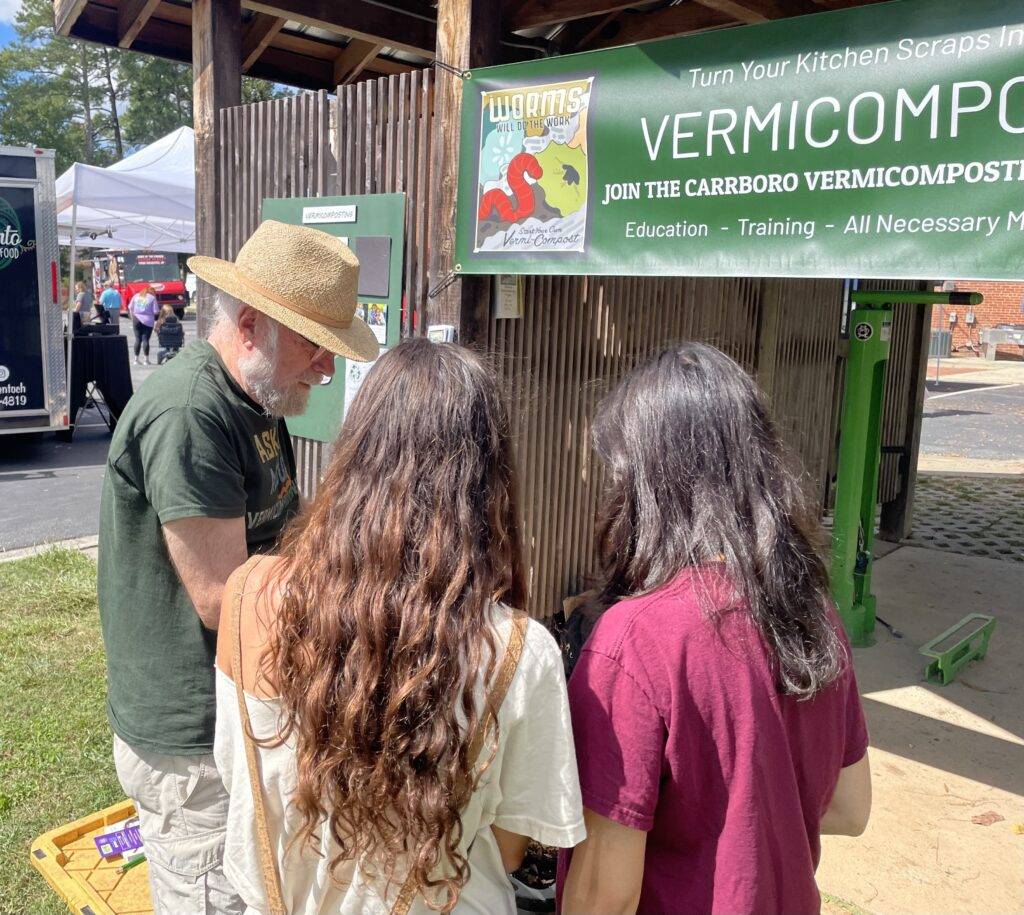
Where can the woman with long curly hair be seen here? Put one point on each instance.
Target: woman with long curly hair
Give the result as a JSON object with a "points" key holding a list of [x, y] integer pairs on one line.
{"points": [[715, 711], [374, 652]]}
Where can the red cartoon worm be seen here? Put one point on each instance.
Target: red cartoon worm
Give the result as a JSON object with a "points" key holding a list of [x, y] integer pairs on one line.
{"points": [[497, 199]]}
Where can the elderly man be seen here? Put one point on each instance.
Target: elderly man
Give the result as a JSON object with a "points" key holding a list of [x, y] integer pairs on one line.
{"points": [[200, 475]]}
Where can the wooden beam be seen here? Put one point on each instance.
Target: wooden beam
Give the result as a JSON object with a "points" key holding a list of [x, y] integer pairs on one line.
{"points": [[66, 14], [258, 34], [357, 19], [306, 45], [280, 66], [353, 60], [669, 22], [132, 17], [216, 84], [168, 40], [468, 33], [844, 4], [761, 10], [580, 33], [532, 14], [386, 66], [293, 60], [182, 15]]}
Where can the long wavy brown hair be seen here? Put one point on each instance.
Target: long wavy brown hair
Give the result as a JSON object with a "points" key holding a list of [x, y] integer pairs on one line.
{"points": [[384, 624]]}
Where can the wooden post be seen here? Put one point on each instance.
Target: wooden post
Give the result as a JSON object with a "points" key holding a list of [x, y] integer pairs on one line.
{"points": [[216, 84], [468, 33], [898, 515]]}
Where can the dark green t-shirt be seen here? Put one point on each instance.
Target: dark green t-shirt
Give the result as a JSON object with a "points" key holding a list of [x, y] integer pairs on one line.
{"points": [[190, 443]]}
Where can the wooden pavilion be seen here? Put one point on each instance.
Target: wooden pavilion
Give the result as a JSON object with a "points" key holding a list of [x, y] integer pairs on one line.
{"points": [[381, 118], [322, 44]]}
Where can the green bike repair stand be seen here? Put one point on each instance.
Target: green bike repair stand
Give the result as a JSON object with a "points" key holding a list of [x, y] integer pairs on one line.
{"points": [[853, 526]]}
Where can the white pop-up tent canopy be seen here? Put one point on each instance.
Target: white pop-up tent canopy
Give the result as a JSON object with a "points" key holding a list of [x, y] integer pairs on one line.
{"points": [[145, 201]]}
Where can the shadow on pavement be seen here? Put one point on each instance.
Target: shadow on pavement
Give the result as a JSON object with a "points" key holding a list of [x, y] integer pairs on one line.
{"points": [[948, 387], [945, 414]]}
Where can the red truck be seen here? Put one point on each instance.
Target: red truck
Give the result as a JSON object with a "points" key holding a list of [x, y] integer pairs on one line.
{"points": [[132, 271]]}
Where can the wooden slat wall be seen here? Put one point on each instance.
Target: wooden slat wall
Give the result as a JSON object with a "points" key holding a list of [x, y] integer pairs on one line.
{"points": [[278, 148], [578, 335], [900, 376], [382, 146], [803, 389]]}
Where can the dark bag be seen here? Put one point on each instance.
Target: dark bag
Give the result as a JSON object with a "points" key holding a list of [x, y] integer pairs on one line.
{"points": [[573, 625]]}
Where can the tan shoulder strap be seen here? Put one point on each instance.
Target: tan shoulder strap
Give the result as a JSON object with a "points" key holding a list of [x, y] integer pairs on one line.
{"points": [[502, 681], [268, 866], [495, 697]]}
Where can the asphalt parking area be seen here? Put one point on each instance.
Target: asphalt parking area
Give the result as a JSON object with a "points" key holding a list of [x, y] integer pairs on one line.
{"points": [[972, 420], [49, 489]]}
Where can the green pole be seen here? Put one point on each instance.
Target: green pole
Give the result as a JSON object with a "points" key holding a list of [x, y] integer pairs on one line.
{"points": [[857, 483], [853, 528], [867, 297]]}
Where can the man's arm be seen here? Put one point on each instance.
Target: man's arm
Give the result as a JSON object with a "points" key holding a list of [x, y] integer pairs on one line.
{"points": [[205, 551], [607, 869]]}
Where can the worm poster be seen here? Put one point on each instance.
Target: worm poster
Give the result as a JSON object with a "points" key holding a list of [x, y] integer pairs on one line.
{"points": [[533, 173]]}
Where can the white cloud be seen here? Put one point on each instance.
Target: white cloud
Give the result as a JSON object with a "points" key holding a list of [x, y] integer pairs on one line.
{"points": [[9, 9]]}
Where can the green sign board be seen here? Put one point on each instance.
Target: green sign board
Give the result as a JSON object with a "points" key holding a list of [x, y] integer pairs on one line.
{"points": [[880, 141], [373, 226]]}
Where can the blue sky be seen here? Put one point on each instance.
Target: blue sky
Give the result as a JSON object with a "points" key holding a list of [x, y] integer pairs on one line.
{"points": [[8, 9]]}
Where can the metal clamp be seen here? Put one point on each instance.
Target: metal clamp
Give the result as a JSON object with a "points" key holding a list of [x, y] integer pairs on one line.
{"points": [[448, 68], [442, 286]]}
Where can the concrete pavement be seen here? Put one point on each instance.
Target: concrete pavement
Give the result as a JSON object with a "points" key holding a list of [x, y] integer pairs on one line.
{"points": [[947, 761]]}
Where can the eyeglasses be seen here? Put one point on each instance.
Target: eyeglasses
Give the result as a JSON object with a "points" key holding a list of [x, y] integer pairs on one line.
{"points": [[318, 351]]}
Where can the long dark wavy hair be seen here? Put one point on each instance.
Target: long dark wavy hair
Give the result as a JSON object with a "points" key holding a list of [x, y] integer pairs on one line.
{"points": [[697, 476], [384, 624]]}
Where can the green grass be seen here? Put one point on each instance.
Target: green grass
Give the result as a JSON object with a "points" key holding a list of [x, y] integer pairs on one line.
{"points": [[55, 745]]}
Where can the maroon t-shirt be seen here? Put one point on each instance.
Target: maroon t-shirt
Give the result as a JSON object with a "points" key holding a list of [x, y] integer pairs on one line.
{"points": [[680, 731]]}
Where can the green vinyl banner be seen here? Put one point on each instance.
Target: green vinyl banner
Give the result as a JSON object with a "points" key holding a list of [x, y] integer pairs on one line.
{"points": [[880, 141]]}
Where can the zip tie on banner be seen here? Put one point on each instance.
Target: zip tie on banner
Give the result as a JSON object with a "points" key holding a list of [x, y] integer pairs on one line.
{"points": [[443, 285], [448, 68]]}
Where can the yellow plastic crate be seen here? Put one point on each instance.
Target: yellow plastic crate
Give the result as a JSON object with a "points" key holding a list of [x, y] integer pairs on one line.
{"points": [[69, 861]]}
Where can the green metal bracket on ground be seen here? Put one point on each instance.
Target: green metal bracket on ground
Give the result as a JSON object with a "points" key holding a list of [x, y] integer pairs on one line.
{"points": [[956, 647]]}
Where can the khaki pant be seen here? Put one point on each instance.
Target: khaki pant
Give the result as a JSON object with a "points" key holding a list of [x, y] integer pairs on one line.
{"points": [[183, 810]]}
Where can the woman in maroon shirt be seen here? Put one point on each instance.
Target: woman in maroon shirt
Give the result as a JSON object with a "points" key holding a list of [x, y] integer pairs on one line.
{"points": [[717, 722]]}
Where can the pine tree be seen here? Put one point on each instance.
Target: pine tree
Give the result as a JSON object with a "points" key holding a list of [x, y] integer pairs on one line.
{"points": [[159, 93], [159, 96], [58, 92]]}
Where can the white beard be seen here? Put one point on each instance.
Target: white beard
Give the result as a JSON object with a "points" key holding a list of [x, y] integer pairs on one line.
{"points": [[257, 371]]}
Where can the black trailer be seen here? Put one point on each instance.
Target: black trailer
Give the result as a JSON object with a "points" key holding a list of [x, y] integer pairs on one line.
{"points": [[33, 385]]}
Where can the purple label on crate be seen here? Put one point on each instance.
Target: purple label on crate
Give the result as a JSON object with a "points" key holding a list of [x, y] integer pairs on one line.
{"points": [[117, 843]]}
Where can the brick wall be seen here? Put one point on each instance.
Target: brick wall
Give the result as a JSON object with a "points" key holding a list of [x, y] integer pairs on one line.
{"points": [[1002, 305]]}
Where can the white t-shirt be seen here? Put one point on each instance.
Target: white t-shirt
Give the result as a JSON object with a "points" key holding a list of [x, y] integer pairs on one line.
{"points": [[531, 788]]}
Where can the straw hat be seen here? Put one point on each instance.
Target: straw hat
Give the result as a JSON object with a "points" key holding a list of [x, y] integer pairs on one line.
{"points": [[302, 277]]}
